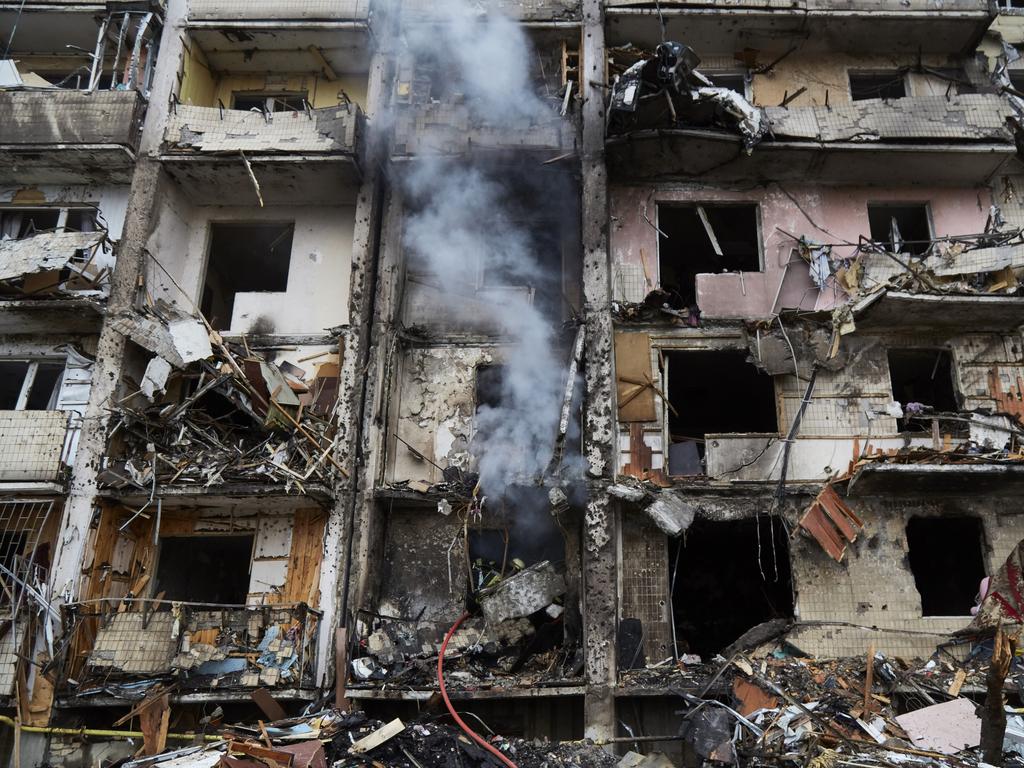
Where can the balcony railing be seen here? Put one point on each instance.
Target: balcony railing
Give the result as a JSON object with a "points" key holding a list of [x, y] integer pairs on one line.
{"points": [[114, 644], [32, 445], [328, 130], [271, 10], [61, 117]]}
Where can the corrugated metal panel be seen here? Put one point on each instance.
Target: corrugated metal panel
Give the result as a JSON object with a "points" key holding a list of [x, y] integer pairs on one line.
{"points": [[31, 444]]}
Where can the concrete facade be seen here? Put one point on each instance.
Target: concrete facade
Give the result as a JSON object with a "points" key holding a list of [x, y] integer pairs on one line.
{"points": [[328, 322]]}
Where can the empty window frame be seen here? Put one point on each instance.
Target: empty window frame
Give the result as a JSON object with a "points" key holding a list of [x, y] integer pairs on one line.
{"points": [[945, 556], [271, 102], [922, 376], [720, 589], [204, 569], [705, 238], [734, 80], [891, 84], [244, 258], [1010, 5], [711, 393], [901, 227], [18, 223], [30, 385]]}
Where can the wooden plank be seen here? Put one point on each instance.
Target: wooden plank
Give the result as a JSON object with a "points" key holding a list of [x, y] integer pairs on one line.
{"points": [[869, 679], [378, 737], [261, 752], [633, 362], [268, 704]]}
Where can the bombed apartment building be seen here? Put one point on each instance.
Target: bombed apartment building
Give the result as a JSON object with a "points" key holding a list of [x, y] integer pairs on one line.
{"points": [[541, 383]]}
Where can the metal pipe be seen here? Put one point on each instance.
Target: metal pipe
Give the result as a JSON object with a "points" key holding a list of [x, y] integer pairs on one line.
{"points": [[97, 732]]}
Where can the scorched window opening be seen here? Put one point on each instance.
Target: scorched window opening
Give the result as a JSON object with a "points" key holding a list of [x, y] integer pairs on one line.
{"points": [[901, 227], [705, 238], [922, 383], [945, 557], [205, 569], [713, 392], [890, 84], [731, 576], [30, 385], [244, 258]]}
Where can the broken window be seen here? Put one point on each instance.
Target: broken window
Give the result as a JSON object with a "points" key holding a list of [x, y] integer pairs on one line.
{"points": [[923, 377], [711, 393], [204, 569], [18, 223], [946, 559], [720, 589], [901, 228], [877, 85], [489, 380], [734, 81], [271, 102], [705, 238], [244, 258], [30, 385]]}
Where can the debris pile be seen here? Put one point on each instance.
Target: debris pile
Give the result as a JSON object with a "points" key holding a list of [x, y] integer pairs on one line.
{"points": [[518, 641], [341, 739], [774, 706], [228, 414], [144, 646], [665, 89]]}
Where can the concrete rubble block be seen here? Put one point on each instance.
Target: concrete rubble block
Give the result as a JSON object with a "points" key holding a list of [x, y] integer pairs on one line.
{"points": [[670, 513], [523, 594]]}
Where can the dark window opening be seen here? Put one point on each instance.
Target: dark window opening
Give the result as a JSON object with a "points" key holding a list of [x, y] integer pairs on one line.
{"points": [[489, 383], [705, 239], [946, 559], [714, 392], [81, 220], [877, 85], [204, 569], [922, 376], [734, 81], [18, 223], [901, 228], [29, 386], [244, 258], [271, 102], [12, 546], [1017, 75], [719, 590]]}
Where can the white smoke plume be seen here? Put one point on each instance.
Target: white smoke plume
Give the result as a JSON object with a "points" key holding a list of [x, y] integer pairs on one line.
{"points": [[469, 218]]}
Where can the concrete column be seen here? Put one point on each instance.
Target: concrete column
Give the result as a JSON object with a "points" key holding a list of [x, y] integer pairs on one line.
{"points": [[145, 185], [599, 525], [353, 387]]}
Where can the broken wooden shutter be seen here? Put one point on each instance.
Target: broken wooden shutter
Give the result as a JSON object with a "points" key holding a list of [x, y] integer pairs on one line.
{"points": [[635, 385]]}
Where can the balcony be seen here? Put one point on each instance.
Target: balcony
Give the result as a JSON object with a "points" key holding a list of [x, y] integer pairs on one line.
{"points": [[53, 136], [314, 152], [961, 140], [521, 10], [863, 26], [120, 646], [32, 446], [277, 10], [448, 128]]}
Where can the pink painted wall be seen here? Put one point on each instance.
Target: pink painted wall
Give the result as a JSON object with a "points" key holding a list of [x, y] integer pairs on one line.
{"points": [[842, 211]]}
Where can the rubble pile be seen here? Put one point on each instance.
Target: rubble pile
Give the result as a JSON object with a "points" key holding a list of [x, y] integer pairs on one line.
{"points": [[55, 263], [349, 739], [774, 707], [238, 417]]}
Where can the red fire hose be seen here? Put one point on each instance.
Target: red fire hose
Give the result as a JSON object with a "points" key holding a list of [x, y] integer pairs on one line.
{"points": [[447, 702]]}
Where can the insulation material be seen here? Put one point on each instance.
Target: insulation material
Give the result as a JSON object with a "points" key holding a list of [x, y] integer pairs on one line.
{"points": [[635, 383], [180, 339], [949, 727]]}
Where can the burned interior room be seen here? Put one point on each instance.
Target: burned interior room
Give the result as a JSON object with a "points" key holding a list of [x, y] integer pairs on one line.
{"points": [[704, 238]]}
